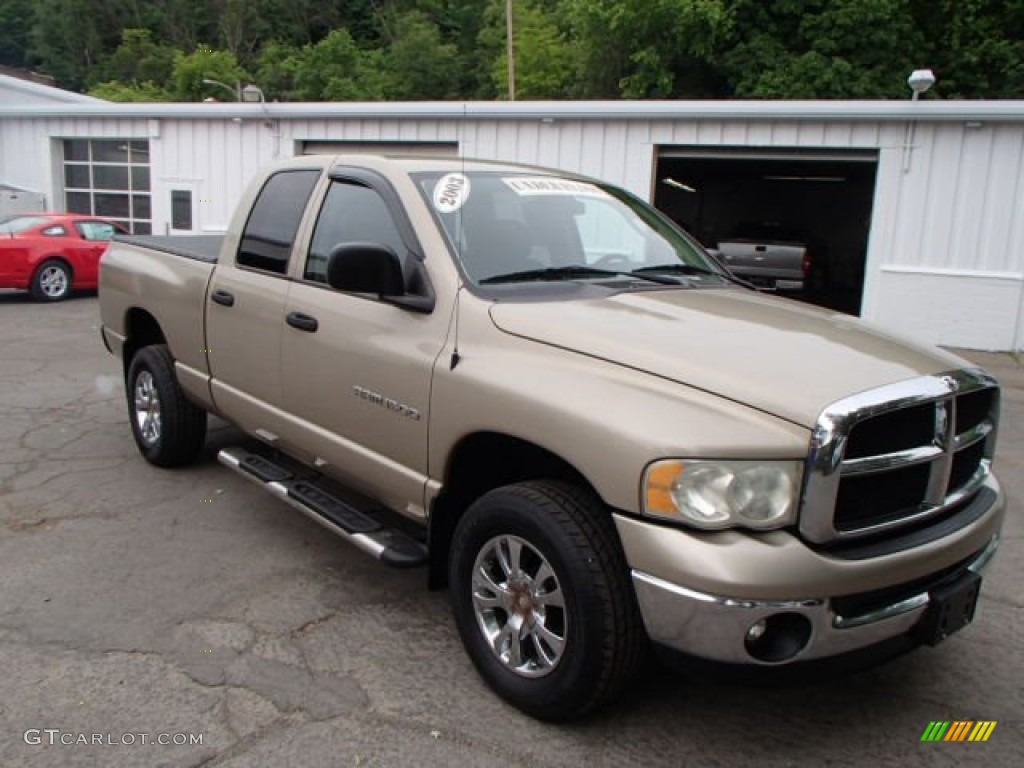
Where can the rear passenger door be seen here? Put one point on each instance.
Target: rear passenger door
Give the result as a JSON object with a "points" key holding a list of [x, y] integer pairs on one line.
{"points": [[246, 301]]}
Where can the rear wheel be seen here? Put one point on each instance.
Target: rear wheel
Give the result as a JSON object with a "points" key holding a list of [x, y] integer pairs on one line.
{"points": [[52, 281], [542, 598], [168, 429]]}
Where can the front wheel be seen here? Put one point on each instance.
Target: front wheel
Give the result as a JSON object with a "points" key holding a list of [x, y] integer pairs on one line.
{"points": [[542, 598], [51, 282], [168, 429]]}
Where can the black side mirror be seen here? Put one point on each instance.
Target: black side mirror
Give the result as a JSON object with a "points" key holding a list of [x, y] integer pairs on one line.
{"points": [[365, 268]]}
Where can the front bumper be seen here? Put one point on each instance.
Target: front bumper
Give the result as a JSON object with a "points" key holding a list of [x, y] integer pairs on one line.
{"points": [[836, 606], [715, 628]]}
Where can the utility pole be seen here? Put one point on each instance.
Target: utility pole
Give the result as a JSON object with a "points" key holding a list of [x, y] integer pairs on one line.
{"points": [[511, 52]]}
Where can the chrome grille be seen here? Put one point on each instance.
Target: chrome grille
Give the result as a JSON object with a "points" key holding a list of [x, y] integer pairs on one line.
{"points": [[899, 455]]}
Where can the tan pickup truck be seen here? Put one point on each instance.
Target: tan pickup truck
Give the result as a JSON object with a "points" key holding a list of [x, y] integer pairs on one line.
{"points": [[538, 387]]}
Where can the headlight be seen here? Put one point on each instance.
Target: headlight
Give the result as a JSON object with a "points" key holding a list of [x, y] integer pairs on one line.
{"points": [[723, 494]]}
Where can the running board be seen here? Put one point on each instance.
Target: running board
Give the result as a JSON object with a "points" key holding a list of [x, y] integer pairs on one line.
{"points": [[388, 545]]}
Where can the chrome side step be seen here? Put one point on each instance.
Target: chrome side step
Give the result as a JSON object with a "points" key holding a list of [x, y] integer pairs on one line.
{"points": [[388, 545]]}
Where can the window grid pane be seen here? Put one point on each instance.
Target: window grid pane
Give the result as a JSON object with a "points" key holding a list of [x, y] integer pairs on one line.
{"points": [[110, 178]]}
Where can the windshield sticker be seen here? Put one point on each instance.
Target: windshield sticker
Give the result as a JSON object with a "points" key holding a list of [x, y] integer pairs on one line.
{"points": [[547, 185], [451, 193]]}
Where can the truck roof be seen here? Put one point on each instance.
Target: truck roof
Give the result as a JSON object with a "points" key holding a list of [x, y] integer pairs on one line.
{"points": [[415, 164]]}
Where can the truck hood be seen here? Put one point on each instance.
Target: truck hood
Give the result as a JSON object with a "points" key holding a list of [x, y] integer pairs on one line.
{"points": [[781, 357]]}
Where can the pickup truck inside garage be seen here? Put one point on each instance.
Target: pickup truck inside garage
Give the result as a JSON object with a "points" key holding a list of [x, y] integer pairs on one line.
{"points": [[820, 199]]}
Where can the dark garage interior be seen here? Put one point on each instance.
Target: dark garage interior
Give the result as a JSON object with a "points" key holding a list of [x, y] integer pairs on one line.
{"points": [[822, 199]]}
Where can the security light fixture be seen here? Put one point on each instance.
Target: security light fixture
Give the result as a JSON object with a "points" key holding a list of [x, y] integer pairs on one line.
{"points": [[920, 80], [252, 94]]}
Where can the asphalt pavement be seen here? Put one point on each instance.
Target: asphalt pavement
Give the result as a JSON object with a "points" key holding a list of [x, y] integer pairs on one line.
{"points": [[140, 605]]}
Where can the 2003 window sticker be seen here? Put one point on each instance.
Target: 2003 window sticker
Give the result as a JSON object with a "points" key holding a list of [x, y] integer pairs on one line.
{"points": [[451, 192]]}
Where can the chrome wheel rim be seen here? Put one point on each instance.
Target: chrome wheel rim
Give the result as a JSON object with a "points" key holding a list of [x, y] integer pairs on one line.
{"points": [[147, 408], [53, 281], [519, 606]]}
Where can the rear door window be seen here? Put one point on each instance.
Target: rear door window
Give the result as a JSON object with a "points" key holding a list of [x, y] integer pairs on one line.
{"points": [[269, 233]]}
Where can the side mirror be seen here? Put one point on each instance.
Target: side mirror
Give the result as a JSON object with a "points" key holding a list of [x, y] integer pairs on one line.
{"points": [[365, 268]]}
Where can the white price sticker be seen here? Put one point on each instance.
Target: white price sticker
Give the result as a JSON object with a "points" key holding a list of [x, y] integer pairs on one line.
{"points": [[548, 185]]}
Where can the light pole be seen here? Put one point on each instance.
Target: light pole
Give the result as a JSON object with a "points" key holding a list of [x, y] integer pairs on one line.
{"points": [[236, 91], [511, 52], [920, 80]]}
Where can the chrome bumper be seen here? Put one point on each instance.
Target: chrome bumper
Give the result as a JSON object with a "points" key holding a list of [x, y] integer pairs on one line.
{"points": [[715, 628]]}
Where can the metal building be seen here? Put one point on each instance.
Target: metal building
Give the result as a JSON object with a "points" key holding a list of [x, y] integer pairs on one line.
{"points": [[919, 204]]}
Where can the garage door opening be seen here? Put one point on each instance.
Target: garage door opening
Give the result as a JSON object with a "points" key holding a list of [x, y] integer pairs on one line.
{"points": [[821, 200]]}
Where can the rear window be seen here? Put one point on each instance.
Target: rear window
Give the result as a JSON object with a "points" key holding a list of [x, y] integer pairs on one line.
{"points": [[20, 224]]}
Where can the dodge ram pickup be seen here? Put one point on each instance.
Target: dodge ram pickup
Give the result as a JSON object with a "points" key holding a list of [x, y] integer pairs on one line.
{"points": [[537, 387]]}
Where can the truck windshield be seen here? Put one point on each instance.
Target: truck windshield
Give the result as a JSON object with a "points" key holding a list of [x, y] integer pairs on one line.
{"points": [[509, 227]]}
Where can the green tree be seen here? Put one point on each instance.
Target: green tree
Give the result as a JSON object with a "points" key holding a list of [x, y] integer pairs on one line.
{"points": [[138, 60], [417, 64], [15, 23], [64, 40], [545, 61], [205, 63], [976, 47], [114, 90], [641, 48], [822, 49], [336, 69]]}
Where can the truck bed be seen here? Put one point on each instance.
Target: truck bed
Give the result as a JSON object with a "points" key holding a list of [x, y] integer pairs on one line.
{"points": [[199, 247]]}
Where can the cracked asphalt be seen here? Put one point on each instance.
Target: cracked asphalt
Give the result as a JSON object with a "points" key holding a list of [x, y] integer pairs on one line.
{"points": [[135, 600]]}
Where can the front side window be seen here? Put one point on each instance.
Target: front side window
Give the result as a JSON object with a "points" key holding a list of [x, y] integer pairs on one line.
{"points": [[507, 226], [274, 220], [351, 213]]}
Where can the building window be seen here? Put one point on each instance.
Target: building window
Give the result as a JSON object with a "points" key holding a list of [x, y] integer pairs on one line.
{"points": [[181, 209], [109, 178]]}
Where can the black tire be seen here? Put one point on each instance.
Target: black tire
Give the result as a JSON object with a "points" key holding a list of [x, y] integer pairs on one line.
{"points": [[180, 426], [570, 529], [52, 281]]}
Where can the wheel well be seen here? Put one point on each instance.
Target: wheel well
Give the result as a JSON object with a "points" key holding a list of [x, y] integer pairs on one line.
{"points": [[480, 463], [54, 257], [141, 330]]}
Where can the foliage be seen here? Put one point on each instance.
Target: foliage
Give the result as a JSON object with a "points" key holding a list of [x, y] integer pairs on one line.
{"points": [[545, 62], [456, 49], [115, 90], [190, 70]]}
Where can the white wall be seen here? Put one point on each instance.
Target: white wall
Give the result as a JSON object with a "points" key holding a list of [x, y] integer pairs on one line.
{"points": [[945, 260]]}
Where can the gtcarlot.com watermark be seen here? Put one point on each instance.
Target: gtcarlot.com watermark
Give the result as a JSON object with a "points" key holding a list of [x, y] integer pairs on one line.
{"points": [[56, 737]]}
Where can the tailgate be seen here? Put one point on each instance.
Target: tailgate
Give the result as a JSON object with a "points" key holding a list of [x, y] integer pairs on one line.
{"points": [[764, 259]]}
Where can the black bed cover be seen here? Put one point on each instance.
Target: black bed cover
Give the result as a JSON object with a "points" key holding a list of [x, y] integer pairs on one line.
{"points": [[199, 247]]}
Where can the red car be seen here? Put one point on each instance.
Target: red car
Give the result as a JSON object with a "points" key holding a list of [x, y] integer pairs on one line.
{"points": [[49, 254]]}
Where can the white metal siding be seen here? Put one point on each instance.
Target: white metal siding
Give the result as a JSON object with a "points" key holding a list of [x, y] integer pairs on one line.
{"points": [[946, 247]]}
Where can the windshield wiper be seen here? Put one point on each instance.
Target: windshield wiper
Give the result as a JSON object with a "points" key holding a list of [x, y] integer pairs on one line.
{"points": [[690, 269], [573, 272]]}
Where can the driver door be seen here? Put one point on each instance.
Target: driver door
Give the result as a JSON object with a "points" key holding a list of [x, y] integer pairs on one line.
{"points": [[357, 371]]}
